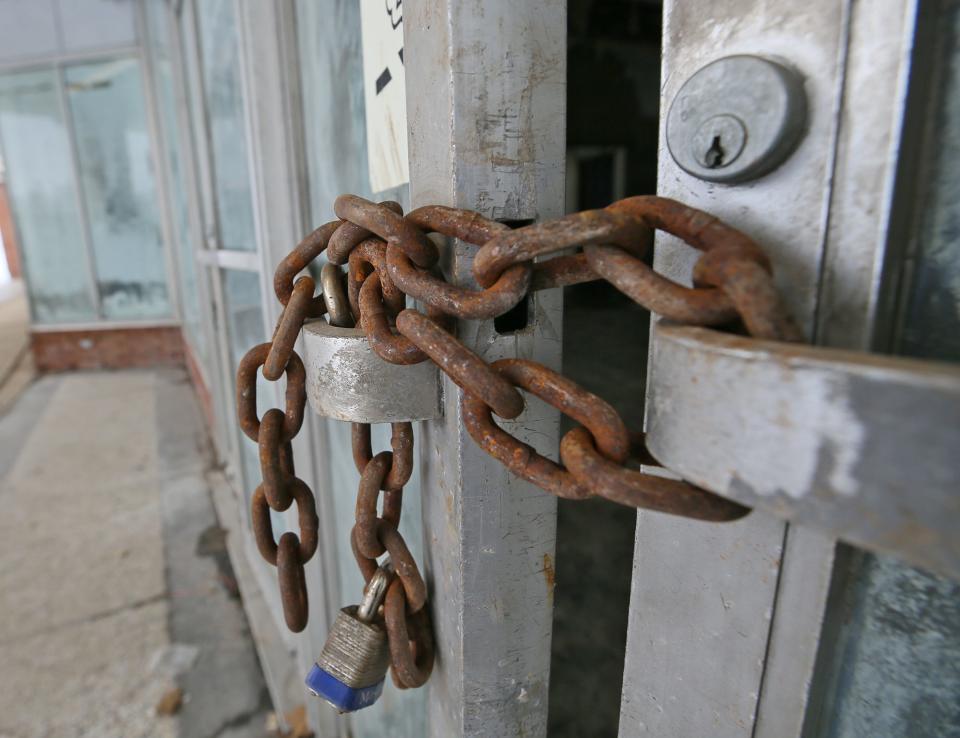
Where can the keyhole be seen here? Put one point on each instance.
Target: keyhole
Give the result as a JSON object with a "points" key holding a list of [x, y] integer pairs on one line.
{"points": [[714, 155]]}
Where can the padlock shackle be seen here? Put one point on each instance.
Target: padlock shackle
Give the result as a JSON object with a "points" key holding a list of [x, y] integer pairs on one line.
{"points": [[375, 591]]}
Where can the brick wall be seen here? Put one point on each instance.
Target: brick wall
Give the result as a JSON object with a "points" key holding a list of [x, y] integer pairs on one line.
{"points": [[112, 348]]}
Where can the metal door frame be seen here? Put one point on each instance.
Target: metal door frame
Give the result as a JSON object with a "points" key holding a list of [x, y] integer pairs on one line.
{"points": [[487, 131]]}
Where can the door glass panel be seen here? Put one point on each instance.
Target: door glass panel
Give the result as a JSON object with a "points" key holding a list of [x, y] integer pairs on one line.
{"points": [[889, 662], [117, 177], [43, 192], [220, 62], [160, 46], [244, 319], [331, 68], [244, 309]]}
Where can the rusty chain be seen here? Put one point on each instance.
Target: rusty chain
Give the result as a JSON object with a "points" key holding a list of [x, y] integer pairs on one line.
{"points": [[389, 257]]}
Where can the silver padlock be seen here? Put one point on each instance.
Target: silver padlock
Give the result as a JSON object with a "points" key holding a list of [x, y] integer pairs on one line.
{"points": [[346, 380], [350, 672]]}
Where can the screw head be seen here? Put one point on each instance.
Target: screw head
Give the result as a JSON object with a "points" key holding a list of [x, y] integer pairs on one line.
{"points": [[719, 141]]}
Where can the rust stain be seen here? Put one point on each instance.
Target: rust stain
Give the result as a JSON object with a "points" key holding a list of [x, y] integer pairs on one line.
{"points": [[549, 573]]}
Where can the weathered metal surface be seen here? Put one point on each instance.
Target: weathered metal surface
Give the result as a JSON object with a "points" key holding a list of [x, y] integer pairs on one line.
{"points": [[350, 235], [371, 480], [815, 436], [346, 380], [604, 424], [388, 225], [288, 328], [294, 262], [335, 296], [263, 527], [470, 227], [411, 666], [407, 571], [577, 229], [356, 652], [460, 364], [388, 345], [371, 255], [401, 441], [486, 132], [247, 393], [698, 630]]}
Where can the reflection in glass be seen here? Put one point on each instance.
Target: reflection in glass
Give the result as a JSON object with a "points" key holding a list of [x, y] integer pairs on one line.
{"points": [[889, 663], [220, 61], [244, 309], [160, 30], [117, 178], [41, 185], [331, 71]]}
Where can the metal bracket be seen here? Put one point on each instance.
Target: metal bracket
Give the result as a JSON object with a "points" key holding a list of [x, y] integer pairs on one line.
{"points": [[865, 447]]}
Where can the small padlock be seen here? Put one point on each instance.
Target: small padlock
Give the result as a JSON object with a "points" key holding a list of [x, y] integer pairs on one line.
{"points": [[350, 672]]}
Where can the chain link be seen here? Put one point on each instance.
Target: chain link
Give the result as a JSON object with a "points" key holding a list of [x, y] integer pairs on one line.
{"points": [[390, 256]]}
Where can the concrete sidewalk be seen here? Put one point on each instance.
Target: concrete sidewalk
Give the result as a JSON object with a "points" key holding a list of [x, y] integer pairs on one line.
{"points": [[115, 587]]}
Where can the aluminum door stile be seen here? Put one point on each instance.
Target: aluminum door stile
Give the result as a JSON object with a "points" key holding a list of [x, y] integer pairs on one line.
{"points": [[725, 619], [486, 131]]}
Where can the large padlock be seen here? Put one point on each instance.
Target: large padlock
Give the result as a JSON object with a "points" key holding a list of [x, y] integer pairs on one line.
{"points": [[347, 380], [351, 669]]}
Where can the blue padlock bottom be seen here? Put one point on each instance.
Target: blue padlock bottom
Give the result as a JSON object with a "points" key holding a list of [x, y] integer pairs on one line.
{"points": [[343, 698]]}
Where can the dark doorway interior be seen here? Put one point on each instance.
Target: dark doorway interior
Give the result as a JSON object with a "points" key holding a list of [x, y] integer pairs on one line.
{"points": [[613, 88]]}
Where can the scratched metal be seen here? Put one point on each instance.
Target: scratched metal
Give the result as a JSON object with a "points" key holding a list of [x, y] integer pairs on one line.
{"points": [[346, 380], [487, 121], [816, 436]]}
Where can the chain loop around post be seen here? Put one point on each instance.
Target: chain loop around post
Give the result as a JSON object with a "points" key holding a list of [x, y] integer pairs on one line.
{"points": [[578, 229], [638, 489], [509, 288], [463, 366], [390, 257], [731, 261], [350, 234], [388, 225]]}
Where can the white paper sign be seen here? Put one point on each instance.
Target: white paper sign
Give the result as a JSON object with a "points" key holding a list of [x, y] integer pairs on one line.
{"points": [[384, 86]]}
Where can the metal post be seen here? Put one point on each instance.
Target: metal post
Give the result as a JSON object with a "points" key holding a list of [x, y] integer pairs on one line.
{"points": [[486, 121]]}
